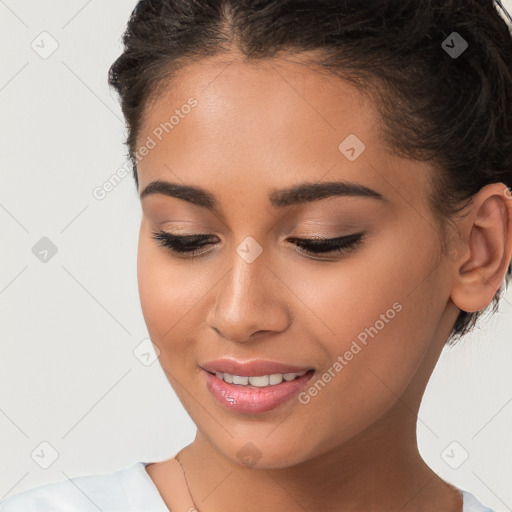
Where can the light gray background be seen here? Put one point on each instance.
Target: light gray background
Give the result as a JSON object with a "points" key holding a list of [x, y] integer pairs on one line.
{"points": [[68, 373]]}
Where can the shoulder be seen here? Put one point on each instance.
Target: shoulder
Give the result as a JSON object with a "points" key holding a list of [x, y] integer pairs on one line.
{"points": [[471, 504], [106, 492]]}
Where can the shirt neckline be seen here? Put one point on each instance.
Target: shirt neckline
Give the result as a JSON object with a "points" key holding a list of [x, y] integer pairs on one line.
{"points": [[468, 499], [151, 499]]}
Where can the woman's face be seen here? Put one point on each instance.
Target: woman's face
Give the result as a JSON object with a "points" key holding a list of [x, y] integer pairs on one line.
{"points": [[362, 319]]}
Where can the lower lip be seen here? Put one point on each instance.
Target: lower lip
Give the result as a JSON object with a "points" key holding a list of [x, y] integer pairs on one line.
{"points": [[247, 399]]}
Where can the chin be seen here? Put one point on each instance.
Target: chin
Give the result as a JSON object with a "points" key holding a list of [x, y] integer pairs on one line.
{"points": [[262, 453]]}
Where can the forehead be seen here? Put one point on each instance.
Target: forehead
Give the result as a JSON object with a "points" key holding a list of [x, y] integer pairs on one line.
{"points": [[274, 122], [273, 107], [284, 85]]}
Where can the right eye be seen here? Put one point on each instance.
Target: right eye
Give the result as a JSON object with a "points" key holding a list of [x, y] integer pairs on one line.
{"points": [[189, 245]]}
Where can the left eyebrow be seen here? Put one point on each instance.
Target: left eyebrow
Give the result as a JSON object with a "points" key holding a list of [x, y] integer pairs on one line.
{"points": [[279, 198], [307, 192]]}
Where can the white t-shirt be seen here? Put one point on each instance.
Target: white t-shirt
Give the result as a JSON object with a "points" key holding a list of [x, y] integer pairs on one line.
{"points": [[126, 490]]}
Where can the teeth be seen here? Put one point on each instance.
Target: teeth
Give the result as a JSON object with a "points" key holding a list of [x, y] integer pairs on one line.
{"points": [[275, 378], [238, 379], [259, 381]]}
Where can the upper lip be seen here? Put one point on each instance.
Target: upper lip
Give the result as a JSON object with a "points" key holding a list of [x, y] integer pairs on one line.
{"points": [[251, 368]]}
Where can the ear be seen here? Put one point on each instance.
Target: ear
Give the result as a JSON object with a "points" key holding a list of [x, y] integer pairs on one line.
{"points": [[486, 231]]}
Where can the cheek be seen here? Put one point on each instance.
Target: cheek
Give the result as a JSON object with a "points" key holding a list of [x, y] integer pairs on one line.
{"points": [[383, 331], [166, 294], [372, 368], [175, 296]]}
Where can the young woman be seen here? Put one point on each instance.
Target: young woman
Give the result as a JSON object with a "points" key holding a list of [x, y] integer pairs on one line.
{"points": [[326, 204]]}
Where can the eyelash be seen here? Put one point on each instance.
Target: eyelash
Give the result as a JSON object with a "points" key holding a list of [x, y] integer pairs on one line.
{"points": [[189, 245]]}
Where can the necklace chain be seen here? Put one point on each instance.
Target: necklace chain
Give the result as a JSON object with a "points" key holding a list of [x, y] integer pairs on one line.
{"points": [[186, 481]]}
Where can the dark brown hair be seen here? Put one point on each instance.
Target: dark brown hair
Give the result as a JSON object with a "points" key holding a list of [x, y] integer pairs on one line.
{"points": [[455, 111]]}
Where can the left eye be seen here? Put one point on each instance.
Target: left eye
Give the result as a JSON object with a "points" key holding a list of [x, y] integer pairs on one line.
{"points": [[191, 245], [329, 245]]}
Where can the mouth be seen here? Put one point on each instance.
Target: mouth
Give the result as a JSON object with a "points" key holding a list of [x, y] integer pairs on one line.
{"points": [[258, 381], [260, 389], [252, 368]]}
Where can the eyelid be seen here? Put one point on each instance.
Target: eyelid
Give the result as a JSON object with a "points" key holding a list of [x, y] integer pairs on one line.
{"points": [[185, 246], [203, 236]]}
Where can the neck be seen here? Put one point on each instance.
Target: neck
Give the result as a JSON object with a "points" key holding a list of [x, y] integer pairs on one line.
{"points": [[378, 470]]}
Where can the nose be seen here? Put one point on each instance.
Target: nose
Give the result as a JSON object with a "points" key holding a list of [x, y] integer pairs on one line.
{"points": [[250, 301]]}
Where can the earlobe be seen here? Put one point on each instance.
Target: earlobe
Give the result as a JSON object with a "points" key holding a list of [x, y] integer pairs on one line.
{"points": [[487, 232]]}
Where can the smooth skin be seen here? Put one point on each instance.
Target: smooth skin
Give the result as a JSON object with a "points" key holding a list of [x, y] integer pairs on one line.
{"points": [[270, 125]]}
